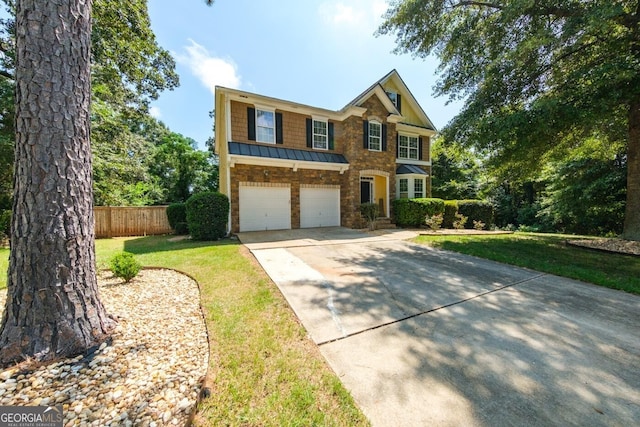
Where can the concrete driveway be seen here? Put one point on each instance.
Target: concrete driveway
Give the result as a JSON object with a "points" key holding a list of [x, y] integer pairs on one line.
{"points": [[428, 337]]}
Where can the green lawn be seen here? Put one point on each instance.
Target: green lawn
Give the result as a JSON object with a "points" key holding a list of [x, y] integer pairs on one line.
{"points": [[4, 265], [547, 253], [265, 370]]}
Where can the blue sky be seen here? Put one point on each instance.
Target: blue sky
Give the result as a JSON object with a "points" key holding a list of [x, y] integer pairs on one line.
{"points": [[316, 52]]}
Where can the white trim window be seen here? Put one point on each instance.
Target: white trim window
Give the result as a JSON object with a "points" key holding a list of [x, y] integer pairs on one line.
{"points": [[418, 188], [320, 134], [265, 126], [403, 190], [408, 147], [375, 136], [393, 96]]}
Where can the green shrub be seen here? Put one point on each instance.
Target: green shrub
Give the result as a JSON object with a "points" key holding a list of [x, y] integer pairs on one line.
{"points": [[476, 210], [207, 215], [177, 216], [434, 222], [125, 266], [412, 212], [478, 225], [450, 211], [460, 221], [5, 224], [370, 212]]}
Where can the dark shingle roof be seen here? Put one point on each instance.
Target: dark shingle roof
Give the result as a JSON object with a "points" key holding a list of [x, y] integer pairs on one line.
{"points": [[254, 150], [410, 169]]}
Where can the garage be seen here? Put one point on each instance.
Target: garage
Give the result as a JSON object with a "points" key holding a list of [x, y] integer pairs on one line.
{"points": [[319, 206], [264, 207]]}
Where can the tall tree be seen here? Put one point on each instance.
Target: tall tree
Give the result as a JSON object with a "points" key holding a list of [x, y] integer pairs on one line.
{"points": [[53, 308], [537, 75]]}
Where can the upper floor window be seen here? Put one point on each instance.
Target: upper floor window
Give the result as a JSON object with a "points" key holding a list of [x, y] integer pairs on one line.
{"points": [[408, 147], [375, 136], [265, 126], [320, 134], [395, 98]]}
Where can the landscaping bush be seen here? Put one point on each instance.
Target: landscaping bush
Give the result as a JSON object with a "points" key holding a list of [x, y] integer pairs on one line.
{"points": [[434, 222], [207, 215], [412, 212], [177, 216], [450, 211], [476, 210], [125, 266], [460, 221], [370, 212]]}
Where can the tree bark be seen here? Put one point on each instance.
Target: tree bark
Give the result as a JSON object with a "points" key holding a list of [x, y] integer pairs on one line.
{"points": [[53, 308], [631, 229]]}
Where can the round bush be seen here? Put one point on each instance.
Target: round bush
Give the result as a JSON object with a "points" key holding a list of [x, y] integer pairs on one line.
{"points": [[125, 266], [207, 215], [177, 216]]}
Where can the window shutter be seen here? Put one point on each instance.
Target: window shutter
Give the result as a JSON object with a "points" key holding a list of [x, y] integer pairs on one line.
{"points": [[279, 136], [331, 143], [399, 101], [309, 133], [251, 123], [397, 145], [384, 137], [419, 148], [365, 134]]}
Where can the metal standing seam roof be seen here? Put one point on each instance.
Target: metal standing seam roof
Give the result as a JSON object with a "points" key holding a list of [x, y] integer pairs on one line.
{"points": [[254, 150], [410, 169]]}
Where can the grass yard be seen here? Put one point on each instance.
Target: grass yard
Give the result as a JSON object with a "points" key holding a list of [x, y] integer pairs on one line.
{"points": [[547, 253], [4, 265], [265, 370]]}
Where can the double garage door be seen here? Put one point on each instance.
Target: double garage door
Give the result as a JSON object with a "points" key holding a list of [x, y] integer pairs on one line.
{"points": [[269, 207]]}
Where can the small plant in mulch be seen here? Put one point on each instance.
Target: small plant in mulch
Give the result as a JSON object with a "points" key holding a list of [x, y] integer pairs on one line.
{"points": [[434, 222], [125, 266], [460, 221], [478, 225]]}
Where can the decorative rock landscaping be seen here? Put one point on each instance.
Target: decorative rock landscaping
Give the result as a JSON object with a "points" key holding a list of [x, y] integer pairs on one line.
{"points": [[149, 375]]}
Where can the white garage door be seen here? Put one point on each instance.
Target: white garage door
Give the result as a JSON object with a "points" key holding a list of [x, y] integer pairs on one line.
{"points": [[265, 208], [319, 207]]}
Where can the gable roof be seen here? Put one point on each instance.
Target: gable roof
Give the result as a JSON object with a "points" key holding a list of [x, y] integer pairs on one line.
{"points": [[378, 89]]}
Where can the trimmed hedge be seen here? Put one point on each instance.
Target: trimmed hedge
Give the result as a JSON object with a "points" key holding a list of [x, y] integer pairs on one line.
{"points": [[207, 215], [413, 212], [476, 210], [177, 216], [450, 211]]}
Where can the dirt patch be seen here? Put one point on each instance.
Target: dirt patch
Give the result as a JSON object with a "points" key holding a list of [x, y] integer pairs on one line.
{"points": [[626, 247]]}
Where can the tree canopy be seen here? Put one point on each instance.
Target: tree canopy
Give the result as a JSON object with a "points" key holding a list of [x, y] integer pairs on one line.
{"points": [[128, 70], [539, 77]]}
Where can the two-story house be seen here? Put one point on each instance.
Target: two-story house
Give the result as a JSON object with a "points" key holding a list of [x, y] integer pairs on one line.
{"points": [[287, 165]]}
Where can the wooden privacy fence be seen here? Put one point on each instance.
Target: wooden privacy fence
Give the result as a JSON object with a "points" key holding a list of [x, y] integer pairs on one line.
{"points": [[119, 221]]}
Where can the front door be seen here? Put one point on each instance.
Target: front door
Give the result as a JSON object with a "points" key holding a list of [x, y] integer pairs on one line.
{"points": [[366, 190]]}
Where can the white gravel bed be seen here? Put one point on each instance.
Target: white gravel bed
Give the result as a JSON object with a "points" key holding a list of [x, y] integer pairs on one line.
{"points": [[148, 376]]}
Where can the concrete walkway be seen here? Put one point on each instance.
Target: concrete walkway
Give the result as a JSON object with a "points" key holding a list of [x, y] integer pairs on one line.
{"points": [[428, 337]]}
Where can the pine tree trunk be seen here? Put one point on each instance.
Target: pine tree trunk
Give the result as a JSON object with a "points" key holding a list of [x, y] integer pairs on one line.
{"points": [[632, 210], [53, 308]]}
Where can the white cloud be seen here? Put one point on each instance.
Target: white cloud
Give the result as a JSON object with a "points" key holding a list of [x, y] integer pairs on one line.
{"points": [[353, 15], [155, 112], [210, 70]]}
